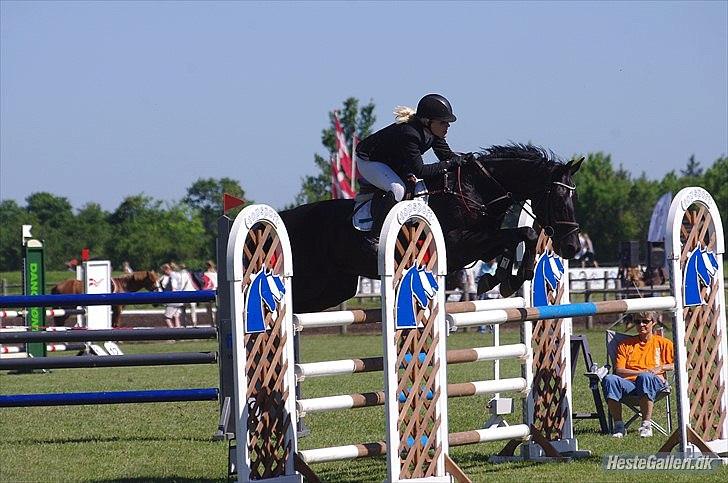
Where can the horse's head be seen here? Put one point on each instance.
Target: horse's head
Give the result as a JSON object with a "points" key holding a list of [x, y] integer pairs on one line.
{"points": [[150, 281], [556, 213], [518, 172]]}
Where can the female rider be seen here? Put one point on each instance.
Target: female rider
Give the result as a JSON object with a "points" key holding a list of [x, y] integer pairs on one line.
{"points": [[389, 155]]}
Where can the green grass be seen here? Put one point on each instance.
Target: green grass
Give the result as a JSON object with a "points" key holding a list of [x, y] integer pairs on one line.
{"points": [[173, 441]]}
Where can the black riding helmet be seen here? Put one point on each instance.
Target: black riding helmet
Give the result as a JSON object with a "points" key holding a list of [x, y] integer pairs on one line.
{"points": [[435, 107]]}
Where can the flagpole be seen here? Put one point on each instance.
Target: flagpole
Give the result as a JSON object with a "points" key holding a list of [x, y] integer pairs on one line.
{"points": [[353, 160]]}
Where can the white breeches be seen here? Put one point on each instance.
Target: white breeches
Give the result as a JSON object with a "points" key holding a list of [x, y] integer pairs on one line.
{"points": [[381, 176]]}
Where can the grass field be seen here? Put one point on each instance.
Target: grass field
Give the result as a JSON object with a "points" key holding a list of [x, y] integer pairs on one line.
{"points": [[172, 441]]}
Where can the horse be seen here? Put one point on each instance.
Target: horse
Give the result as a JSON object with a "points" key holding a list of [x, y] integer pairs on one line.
{"points": [[329, 254], [132, 282], [266, 290]]}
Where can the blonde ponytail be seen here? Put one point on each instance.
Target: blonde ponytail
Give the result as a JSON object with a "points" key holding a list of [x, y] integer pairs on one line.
{"points": [[403, 114]]}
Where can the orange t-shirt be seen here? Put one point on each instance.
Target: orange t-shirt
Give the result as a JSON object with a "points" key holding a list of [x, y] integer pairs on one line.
{"points": [[632, 354]]}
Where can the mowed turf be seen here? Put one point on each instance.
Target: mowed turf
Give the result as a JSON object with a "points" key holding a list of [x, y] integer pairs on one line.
{"points": [[173, 441]]}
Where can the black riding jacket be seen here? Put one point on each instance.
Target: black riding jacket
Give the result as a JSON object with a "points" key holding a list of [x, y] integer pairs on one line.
{"points": [[400, 146]]}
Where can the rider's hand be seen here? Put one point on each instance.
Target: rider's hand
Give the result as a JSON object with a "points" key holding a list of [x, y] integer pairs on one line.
{"points": [[457, 161]]}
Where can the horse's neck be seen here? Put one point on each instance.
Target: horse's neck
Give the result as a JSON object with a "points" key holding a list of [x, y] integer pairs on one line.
{"points": [[520, 178], [127, 284]]}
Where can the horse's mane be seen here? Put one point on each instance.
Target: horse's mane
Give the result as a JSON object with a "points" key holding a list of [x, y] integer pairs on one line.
{"points": [[519, 151]]}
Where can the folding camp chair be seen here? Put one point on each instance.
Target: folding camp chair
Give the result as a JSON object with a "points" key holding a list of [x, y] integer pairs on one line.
{"points": [[613, 340]]}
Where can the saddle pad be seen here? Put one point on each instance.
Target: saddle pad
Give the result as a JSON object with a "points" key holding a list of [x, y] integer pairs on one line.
{"points": [[362, 217]]}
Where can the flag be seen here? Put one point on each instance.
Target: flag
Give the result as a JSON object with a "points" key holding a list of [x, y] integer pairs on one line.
{"points": [[342, 181]]}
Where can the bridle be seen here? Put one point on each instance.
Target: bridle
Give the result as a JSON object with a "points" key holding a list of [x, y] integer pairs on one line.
{"points": [[483, 209]]}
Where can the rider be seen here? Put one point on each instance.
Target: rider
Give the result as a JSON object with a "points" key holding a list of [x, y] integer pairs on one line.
{"points": [[389, 155]]}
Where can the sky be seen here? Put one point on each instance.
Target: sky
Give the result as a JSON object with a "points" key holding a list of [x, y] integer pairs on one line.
{"points": [[104, 100]]}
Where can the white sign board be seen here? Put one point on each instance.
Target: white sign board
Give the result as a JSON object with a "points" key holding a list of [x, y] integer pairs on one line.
{"points": [[97, 279]]}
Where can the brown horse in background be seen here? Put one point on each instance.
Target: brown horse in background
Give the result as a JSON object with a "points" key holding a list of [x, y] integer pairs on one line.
{"points": [[133, 282]]}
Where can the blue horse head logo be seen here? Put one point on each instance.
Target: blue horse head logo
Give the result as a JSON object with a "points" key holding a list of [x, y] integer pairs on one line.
{"points": [[548, 273], [265, 293], [417, 285], [700, 270]]}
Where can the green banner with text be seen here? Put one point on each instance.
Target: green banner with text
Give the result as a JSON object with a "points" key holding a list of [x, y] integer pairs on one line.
{"points": [[34, 284]]}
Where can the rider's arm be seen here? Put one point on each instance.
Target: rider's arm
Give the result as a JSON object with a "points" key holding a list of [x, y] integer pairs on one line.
{"points": [[413, 162], [442, 149]]}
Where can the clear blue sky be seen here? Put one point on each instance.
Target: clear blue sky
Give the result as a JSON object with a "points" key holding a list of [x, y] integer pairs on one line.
{"points": [[103, 100]]}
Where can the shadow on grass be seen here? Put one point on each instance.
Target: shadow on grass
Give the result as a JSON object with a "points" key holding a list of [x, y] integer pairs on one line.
{"points": [[594, 431], [106, 439]]}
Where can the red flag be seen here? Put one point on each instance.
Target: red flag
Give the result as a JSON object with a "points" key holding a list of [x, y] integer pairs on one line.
{"points": [[342, 185], [229, 202]]}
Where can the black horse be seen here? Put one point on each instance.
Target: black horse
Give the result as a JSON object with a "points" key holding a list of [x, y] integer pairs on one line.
{"points": [[329, 254]]}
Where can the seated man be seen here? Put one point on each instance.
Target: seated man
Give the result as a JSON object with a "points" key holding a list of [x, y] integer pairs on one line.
{"points": [[640, 367]]}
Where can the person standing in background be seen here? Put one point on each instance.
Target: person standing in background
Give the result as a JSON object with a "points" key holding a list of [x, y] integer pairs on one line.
{"points": [[171, 282], [210, 277], [187, 285]]}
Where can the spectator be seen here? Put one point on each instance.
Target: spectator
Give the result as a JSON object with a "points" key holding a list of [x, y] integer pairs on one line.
{"points": [[210, 277], [586, 251], [187, 285], [171, 282], [470, 287], [641, 363]]}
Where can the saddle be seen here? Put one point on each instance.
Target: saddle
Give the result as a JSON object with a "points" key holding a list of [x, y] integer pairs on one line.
{"points": [[372, 204]]}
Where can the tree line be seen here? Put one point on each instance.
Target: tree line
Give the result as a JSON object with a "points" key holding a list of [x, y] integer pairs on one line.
{"points": [[611, 206], [143, 231]]}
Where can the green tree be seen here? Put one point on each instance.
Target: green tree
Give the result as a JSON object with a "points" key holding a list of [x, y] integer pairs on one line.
{"points": [[603, 207], [715, 181], [93, 230], [12, 217], [55, 226], [205, 197], [692, 169], [353, 119], [146, 234]]}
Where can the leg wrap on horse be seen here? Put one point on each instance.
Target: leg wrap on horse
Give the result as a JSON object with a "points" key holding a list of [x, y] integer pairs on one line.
{"points": [[510, 283]]}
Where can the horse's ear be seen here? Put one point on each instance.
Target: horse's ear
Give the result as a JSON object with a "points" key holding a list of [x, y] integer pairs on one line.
{"points": [[574, 165]]}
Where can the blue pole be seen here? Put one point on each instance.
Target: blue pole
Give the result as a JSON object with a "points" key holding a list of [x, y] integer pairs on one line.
{"points": [[12, 301], [108, 397]]}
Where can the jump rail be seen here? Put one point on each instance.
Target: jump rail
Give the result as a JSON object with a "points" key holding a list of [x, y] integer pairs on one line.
{"points": [[83, 335], [12, 301]]}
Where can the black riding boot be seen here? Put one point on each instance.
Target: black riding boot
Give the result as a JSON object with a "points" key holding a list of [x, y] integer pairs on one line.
{"points": [[381, 204]]}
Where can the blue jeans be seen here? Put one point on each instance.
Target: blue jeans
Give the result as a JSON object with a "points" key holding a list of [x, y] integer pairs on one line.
{"points": [[646, 384]]}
